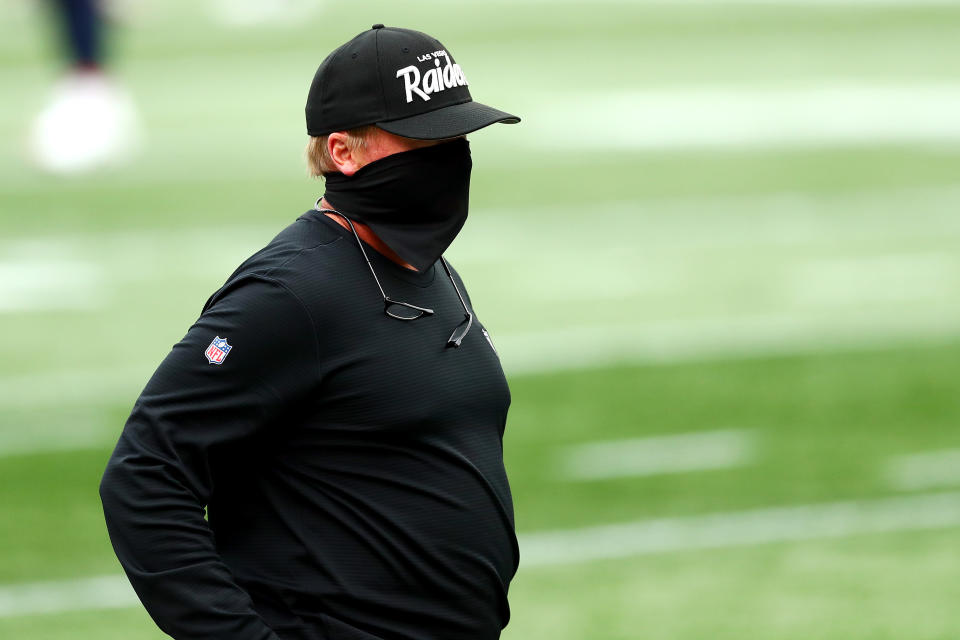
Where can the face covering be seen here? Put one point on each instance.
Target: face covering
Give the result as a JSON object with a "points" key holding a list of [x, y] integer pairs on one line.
{"points": [[415, 201]]}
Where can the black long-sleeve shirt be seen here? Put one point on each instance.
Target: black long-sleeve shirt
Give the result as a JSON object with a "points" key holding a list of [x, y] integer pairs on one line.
{"points": [[350, 464]]}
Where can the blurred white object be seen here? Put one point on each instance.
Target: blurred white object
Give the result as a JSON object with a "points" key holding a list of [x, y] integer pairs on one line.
{"points": [[89, 123]]}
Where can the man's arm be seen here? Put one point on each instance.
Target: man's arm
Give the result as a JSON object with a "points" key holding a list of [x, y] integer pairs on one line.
{"points": [[159, 480]]}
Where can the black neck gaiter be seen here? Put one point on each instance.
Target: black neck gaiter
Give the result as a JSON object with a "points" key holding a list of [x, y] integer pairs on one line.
{"points": [[415, 201]]}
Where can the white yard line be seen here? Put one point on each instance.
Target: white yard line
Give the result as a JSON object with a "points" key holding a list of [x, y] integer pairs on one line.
{"points": [[665, 535], [741, 528], [680, 453], [83, 594], [31, 284], [708, 338], [64, 430], [744, 117], [927, 470], [72, 387]]}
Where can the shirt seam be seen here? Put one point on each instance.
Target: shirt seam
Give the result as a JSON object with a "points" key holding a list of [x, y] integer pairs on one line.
{"points": [[306, 310]]}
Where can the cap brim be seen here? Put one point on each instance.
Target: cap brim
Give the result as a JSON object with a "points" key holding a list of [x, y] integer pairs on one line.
{"points": [[448, 122]]}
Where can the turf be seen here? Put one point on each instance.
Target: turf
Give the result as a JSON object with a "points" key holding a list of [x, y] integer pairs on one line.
{"points": [[806, 295]]}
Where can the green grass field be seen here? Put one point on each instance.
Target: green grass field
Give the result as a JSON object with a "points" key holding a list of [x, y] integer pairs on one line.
{"points": [[715, 218]]}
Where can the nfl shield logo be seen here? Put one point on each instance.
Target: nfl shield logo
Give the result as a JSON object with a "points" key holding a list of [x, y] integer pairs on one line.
{"points": [[217, 351]]}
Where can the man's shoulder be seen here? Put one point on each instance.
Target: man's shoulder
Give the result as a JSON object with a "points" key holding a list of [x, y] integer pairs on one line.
{"points": [[306, 233], [293, 256]]}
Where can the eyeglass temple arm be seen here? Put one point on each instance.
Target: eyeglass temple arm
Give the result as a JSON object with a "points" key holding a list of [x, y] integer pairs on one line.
{"points": [[455, 287], [362, 250]]}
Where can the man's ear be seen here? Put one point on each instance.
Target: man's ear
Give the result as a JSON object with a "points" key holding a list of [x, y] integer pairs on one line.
{"points": [[345, 158]]}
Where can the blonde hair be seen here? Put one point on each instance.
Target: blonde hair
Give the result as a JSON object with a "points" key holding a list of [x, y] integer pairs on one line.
{"points": [[319, 162]]}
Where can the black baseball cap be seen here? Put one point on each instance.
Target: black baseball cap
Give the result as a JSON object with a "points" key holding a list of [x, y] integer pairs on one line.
{"points": [[401, 80]]}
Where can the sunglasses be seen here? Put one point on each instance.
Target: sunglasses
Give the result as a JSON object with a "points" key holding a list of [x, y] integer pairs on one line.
{"points": [[400, 310]]}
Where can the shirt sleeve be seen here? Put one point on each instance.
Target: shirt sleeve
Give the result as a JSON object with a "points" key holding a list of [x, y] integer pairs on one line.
{"points": [[251, 354]]}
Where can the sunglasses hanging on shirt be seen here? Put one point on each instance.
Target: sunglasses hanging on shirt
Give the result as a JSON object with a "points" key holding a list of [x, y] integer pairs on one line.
{"points": [[404, 310]]}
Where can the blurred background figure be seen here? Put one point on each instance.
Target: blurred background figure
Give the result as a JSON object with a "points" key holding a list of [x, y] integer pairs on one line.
{"points": [[89, 120]]}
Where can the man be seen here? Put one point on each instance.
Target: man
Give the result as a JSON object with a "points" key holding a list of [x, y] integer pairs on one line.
{"points": [[338, 408]]}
